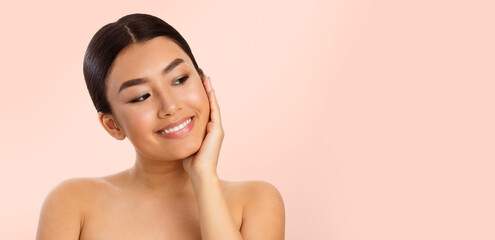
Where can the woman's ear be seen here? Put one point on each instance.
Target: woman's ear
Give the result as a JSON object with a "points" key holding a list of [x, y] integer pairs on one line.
{"points": [[111, 126]]}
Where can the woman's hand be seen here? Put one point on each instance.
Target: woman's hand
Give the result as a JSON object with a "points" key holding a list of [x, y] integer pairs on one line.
{"points": [[204, 162]]}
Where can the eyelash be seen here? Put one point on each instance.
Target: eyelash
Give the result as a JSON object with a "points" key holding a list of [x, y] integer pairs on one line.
{"points": [[182, 80]]}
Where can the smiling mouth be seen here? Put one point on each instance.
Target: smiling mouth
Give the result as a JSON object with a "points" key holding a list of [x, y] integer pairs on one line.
{"points": [[176, 128]]}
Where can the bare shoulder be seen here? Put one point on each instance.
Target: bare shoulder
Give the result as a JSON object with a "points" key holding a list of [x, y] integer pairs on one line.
{"points": [[254, 190], [263, 214], [247, 187], [75, 190], [62, 213], [81, 183]]}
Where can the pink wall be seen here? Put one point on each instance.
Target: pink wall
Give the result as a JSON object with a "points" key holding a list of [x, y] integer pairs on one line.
{"points": [[374, 119]]}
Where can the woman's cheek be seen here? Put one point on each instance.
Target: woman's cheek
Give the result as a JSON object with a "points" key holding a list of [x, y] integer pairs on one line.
{"points": [[197, 97], [138, 119]]}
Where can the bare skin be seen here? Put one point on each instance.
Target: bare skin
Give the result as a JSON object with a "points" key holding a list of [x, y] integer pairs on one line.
{"points": [[173, 190], [112, 209]]}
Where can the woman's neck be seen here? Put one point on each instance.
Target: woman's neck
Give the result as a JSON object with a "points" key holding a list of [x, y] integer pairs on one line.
{"points": [[164, 177]]}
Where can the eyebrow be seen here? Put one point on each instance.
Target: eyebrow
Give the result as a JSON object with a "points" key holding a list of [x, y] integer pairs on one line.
{"points": [[137, 81]]}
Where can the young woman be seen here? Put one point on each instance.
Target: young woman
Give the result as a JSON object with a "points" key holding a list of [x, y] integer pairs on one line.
{"points": [[146, 86]]}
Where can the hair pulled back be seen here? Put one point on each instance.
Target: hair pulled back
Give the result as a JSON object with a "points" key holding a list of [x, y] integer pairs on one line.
{"points": [[111, 39]]}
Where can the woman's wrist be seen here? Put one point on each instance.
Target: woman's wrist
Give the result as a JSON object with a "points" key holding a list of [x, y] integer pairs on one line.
{"points": [[203, 176]]}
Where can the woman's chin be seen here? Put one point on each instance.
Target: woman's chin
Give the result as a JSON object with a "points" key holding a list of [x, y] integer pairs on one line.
{"points": [[186, 151], [172, 152]]}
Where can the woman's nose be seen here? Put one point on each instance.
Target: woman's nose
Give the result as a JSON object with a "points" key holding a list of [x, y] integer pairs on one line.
{"points": [[167, 106]]}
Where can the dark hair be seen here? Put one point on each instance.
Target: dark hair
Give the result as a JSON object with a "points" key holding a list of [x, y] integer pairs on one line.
{"points": [[111, 39]]}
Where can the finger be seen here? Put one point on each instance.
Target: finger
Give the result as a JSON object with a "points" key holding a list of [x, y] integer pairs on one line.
{"points": [[207, 84], [215, 108]]}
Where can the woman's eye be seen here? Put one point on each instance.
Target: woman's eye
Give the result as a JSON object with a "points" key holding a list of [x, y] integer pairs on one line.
{"points": [[182, 80], [142, 98]]}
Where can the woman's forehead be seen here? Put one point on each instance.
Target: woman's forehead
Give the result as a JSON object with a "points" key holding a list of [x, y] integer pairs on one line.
{"points": [[147, 58]]}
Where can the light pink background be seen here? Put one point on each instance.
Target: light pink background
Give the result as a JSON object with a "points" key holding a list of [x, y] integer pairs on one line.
{"points": [[374, 119]]}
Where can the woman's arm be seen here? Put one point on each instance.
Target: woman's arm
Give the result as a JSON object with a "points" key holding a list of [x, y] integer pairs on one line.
{"points": [[216, 220], [60, 216], [263, 217]]}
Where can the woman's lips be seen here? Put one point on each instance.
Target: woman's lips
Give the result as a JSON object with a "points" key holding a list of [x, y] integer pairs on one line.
{"points": [[179, 133], [175, 124]]}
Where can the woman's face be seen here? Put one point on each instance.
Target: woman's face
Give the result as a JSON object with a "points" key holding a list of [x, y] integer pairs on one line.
{"points": [[168, 90]]}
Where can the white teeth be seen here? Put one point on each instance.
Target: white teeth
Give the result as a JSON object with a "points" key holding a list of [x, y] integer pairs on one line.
{"points": [[181, 126]]}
